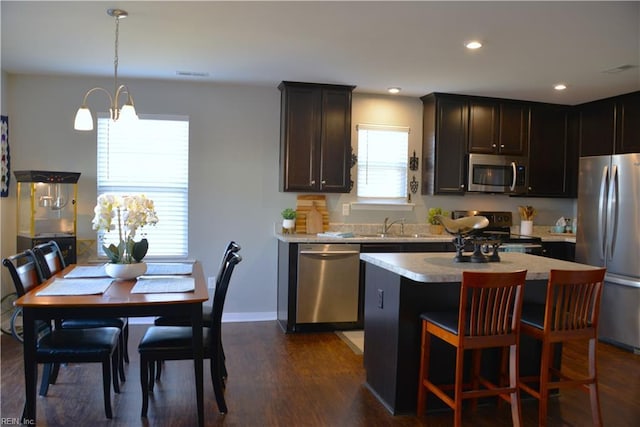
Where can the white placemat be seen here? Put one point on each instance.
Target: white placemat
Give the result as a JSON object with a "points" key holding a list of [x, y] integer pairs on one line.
{"points": [[80, 271], [163, 284], [76, 287], [168, 268]]}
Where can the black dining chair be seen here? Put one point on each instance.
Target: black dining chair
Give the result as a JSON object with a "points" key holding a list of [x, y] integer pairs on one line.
{"points": [[161, 343], [51, 261], [207, 310], [55, 346]]}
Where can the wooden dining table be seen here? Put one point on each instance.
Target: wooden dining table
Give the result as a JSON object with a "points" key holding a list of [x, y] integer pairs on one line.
{"points": [[116, 301]]}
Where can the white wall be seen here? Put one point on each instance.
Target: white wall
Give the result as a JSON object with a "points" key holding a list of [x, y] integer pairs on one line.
{"points": [[234, 140]]}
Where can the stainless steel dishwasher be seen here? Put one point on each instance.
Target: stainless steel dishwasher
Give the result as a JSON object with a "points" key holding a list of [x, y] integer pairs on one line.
{"points": [[328, 283]]}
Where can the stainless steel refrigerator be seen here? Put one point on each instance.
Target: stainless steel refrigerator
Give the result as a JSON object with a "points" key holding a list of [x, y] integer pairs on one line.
{"points": [[608, 235]]}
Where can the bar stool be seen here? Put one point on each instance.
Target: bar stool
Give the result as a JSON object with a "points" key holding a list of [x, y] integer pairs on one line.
{"points": [[488, 316], [570, 313]]}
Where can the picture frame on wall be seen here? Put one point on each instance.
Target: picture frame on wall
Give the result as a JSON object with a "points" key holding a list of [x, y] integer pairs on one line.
{"points": [[4, 153]]}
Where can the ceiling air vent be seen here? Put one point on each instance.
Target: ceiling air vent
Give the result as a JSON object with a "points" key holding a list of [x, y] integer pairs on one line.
{"points": [[192, 73], [619, 69]]}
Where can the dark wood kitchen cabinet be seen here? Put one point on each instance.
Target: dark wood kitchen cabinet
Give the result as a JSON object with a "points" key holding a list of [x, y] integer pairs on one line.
{"points": [[498, 127], [565, 251], [610, 126], [552, 153], [315, 137], [444, 141]]}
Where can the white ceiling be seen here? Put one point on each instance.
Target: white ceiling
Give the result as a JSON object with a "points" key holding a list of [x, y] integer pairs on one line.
{"points": [[418, 46]]}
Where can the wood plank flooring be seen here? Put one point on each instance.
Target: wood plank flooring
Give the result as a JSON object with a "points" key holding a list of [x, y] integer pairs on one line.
{"points": [[292, 380]]}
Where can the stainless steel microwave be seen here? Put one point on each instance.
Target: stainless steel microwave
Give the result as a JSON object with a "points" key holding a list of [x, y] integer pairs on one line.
{"points": [[490, 173]]}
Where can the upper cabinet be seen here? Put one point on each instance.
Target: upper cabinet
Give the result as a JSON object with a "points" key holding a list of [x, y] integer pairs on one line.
{"points": [[552, 152], [444, 154], [628, 123], [315, 137], [610, 126], [497, 127]]}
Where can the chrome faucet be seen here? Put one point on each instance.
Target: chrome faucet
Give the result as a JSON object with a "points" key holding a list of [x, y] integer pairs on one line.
{"points": [[387, 225]]}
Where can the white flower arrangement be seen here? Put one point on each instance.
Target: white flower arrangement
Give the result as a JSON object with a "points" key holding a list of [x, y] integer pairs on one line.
{"points": [[126, 214]]}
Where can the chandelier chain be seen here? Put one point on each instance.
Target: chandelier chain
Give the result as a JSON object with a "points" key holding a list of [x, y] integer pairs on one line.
{"points": [[115, 59]]}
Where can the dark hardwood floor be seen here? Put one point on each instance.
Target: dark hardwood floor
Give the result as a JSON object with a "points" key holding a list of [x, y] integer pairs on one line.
{"points": [[292, 380]]}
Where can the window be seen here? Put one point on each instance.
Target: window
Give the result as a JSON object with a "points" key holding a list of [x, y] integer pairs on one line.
{"points": [[382, 161], [149, 156]]}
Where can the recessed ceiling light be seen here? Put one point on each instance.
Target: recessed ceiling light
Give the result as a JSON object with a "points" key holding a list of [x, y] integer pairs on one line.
{"points": [[560, 86], [473, 44], [394, 90]]}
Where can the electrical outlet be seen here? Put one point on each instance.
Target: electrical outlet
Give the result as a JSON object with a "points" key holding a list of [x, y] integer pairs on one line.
{"points": [[380, 298], [345, 209]]}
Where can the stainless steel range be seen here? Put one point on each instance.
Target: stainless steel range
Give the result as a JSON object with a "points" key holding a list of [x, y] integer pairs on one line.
{"points": [[496, 237]]}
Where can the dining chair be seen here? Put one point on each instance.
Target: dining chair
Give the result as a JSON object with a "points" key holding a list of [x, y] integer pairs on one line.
{"points": [[488, 316], [570, 313], [207, 309], [55, 346], [161, 343], [51, 261]]}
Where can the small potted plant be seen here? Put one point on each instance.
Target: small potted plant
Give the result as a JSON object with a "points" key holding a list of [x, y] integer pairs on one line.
{"points": [[434, 225], [288, 220]]}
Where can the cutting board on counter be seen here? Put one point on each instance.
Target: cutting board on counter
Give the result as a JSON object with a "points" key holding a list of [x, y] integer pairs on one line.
{"points": [[311, 214], [314, 220]]}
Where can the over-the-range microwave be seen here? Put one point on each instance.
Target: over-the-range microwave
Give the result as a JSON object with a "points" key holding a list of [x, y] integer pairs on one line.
{"points": [[489, 173]]}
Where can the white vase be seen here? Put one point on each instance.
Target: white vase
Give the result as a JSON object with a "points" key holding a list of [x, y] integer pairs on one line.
{"points": [[526, 228], [289, 225], [125, 271]]}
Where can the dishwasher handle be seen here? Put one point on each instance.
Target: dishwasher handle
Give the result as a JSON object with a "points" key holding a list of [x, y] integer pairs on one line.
{"points": [[312, 252]]}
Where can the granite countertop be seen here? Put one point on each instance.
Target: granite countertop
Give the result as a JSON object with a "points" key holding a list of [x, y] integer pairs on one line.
{"points": [[542, 232], [363, 238], [440, 267]]}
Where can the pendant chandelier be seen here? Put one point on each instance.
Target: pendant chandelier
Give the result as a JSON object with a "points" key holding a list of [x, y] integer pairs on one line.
{"points": [[84, 119]]}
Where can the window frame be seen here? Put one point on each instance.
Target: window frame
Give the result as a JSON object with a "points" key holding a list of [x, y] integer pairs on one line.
{"points": [[170, 196], [403, 176]]}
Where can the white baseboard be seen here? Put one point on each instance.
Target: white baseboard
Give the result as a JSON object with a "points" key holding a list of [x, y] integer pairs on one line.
{"points": [[226, 318], [249, 317]]}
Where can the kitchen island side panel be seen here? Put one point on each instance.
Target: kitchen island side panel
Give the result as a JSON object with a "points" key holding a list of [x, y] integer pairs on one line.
{"points": [[381, 303], [392, 335]]}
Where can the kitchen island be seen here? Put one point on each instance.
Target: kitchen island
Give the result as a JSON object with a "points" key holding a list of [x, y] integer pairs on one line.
{"points": [[400, 286]]}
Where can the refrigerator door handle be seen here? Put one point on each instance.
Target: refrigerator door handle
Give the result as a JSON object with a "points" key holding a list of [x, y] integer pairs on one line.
{"points": [[602, 201], [612, 211], [623, 281]]}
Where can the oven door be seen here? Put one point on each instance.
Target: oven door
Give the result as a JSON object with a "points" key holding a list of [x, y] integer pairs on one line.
{"points": [[497, 174], [527, 248]]}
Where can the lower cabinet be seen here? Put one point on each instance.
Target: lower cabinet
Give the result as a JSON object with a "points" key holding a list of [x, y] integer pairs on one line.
{"points": [[67, 245], [565, 251]]}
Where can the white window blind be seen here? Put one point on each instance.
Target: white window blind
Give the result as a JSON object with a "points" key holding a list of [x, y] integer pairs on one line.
{"points": [[149, 156], [382, 161]]}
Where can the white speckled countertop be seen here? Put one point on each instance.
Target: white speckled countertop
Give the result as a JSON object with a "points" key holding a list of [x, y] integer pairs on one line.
{"points": [[440, 267], [422, 238], [312, 238]]}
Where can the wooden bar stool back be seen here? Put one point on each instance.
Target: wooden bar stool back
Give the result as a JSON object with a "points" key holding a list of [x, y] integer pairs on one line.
{"points": [[488, 316], [570, 312]]}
